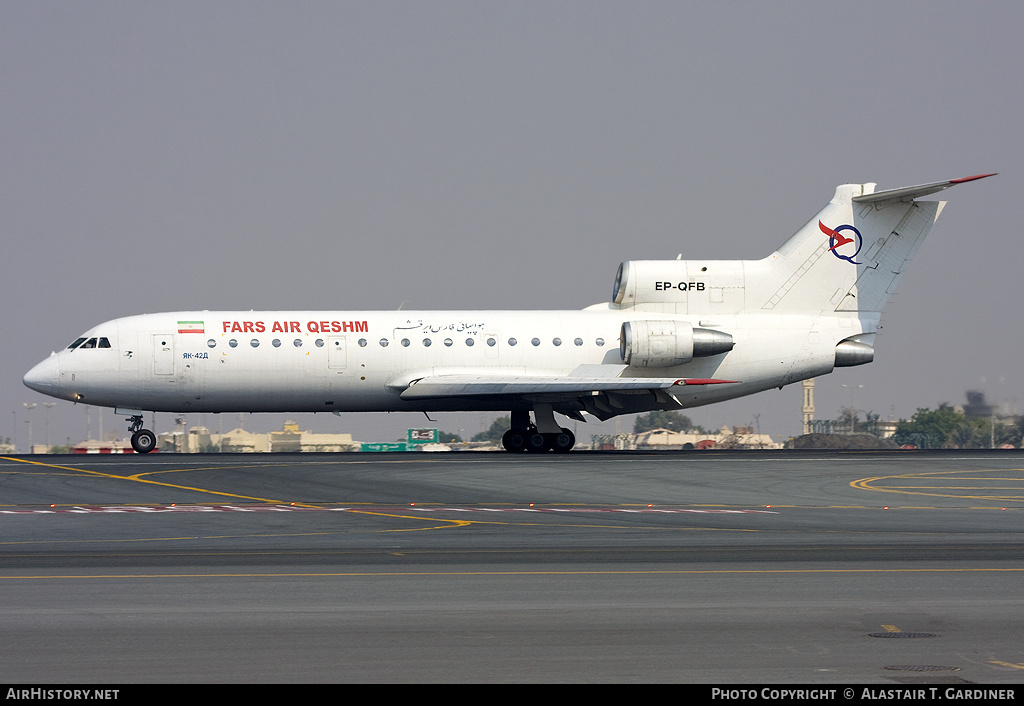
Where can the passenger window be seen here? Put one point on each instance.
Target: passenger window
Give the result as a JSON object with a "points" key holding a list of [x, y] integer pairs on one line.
{"points": [[448, 342], [470, 341], [232, 343], [319, 343], [427, 342], [535, 341], [557, 341], [383, 343], [211, 343], [512, 341], [599, 342], [362, 342], [405, 343], [491, 341], [298, 343], [578, 341], [276, 343], [255, 343]]}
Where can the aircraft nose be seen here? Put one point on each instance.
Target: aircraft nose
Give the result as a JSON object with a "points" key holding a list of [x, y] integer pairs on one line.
{"points": [[45, 376]]}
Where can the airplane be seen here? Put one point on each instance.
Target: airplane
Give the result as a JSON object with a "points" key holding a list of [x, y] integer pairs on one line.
{"points": [[675, 334]]}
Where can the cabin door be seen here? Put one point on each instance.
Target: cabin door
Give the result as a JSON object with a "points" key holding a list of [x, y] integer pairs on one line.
{"points": [[337, 358], [163, 354]]}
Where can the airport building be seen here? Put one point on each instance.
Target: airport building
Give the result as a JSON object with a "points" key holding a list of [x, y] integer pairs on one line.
{"points": [[666, 440], [289, 440]]}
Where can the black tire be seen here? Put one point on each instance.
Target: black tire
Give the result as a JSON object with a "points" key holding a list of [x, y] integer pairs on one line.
{"points": [[562, 442], [537, 443], [514, 441], [143, 441]]}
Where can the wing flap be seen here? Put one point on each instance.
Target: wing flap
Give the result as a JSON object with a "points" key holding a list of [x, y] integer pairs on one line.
{"points": [[439, 386]]}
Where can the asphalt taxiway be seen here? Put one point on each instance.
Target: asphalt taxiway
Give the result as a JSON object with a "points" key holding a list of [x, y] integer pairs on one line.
{"points": [[586, 567]]}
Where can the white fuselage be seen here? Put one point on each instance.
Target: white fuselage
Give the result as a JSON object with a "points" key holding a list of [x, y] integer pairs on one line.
{"points": [[361, 361]]}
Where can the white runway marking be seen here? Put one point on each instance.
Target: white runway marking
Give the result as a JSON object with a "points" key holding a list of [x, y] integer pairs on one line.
{"points": [[124, 509]]}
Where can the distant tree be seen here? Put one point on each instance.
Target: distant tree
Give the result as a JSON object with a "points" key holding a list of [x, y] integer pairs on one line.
{"points": [[446, 437], [963, 435], [849, 422], [840, 441], [988, 432], [871, 420], [929, 428], [946, 428], [496, 431], [664, 419]]}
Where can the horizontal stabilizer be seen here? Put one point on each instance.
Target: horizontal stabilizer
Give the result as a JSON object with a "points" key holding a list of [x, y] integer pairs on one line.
{"points": [[909, 193]]}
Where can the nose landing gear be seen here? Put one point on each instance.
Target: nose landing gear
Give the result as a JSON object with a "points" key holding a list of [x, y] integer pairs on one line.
{"points": [[143, 440]]}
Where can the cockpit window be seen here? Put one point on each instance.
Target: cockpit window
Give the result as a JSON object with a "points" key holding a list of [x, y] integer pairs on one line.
{"points": [[83, 342]]}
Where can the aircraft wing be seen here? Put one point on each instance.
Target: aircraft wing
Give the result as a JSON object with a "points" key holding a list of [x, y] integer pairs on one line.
{"points": [[549, 387]]}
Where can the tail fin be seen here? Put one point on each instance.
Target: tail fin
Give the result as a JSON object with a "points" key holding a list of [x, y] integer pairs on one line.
{"points": [[848, 258], [851, 256]]}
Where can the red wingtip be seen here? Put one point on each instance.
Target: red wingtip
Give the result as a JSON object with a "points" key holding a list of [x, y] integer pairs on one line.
{"points": [[971, 178]]}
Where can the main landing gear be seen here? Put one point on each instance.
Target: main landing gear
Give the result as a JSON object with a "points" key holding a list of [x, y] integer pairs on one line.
{"points": [[543, 436], [143, 440]]}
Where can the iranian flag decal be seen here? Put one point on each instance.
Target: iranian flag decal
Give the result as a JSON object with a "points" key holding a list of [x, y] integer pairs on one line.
{"points": [[191, 327]]}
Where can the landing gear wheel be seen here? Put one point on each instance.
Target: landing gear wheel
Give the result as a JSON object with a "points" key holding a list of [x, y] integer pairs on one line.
{"points": [[562, 442], [143, 441], [514, 440], [537, 443]]}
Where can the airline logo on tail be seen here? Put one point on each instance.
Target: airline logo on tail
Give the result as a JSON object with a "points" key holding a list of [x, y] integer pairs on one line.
{"points": [[837, 240]]}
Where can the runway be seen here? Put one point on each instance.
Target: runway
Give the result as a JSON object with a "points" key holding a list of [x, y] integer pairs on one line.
{"points": [[716, 568]]}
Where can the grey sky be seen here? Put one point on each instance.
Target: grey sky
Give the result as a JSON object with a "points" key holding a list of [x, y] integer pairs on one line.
{"points": [[217, 155]]}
